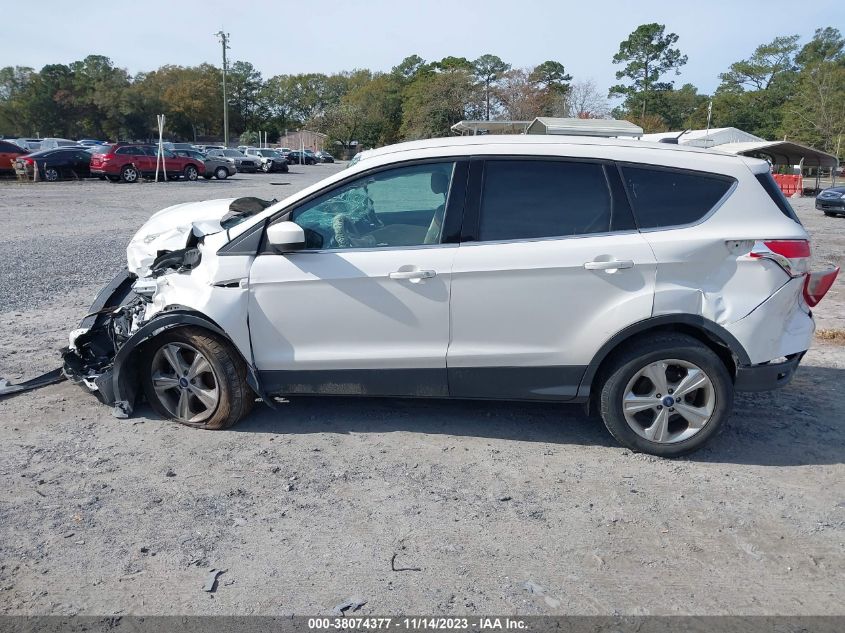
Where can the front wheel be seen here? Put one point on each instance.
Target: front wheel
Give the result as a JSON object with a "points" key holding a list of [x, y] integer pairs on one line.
{"points": [[51, 174], [222, 173], [666, 395], [191, 173], [196, 378], [265, 167]]}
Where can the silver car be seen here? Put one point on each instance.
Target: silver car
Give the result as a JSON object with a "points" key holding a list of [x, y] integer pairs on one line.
{"points": [[215, 166], [243, 163]]}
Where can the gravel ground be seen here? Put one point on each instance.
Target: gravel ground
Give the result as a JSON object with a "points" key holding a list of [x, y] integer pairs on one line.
{"points": [[306, 507]]}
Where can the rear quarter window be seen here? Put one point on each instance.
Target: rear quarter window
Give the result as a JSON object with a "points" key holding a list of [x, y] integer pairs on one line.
{"points": [[768, 183], [664, 198]]}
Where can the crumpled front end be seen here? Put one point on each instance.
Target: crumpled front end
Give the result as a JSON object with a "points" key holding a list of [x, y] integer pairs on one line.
{"points": [[89, 356]]}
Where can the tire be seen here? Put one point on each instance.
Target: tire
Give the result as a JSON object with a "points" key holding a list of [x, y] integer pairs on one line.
{"points": [[222, 379], [191, 173], [51, 174], [667, 428], [129, 174], [265, 167], [221, 173]]}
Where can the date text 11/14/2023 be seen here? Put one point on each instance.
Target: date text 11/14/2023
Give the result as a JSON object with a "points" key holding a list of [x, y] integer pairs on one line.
{"points": [[420, 623]]}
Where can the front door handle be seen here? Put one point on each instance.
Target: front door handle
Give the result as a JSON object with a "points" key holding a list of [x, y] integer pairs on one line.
{"points": [[412, 274], [611, 265]]}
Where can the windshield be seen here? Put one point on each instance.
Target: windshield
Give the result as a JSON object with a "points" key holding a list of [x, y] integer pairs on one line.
{"points": [[231, 152]]}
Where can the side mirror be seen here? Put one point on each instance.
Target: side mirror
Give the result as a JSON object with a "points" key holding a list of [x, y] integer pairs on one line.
{"points": [[286, 236]]}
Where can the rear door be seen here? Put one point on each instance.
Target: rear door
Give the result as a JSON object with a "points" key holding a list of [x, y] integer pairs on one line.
{"points": [[550, 267]]}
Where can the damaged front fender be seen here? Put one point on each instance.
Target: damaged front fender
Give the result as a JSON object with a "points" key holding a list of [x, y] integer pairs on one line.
{"points": [[103, 352]]}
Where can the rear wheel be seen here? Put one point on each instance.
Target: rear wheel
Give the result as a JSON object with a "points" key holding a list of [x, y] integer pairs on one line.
{"points": [[191, 173], [221, 173], [196, 378], [129, 174], [51, 174], [666, 395]]}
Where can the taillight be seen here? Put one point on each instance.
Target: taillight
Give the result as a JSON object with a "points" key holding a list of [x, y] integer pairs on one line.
{"points": [[817, 284], [28, 161], [791, 255]]}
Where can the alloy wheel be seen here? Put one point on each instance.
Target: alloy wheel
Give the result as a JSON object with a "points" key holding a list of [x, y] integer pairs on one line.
{"points": [[51, 175], [184, 382], [669, 401]]}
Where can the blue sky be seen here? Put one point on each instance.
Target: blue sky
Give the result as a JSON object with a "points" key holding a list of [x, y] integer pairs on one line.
{"points": [[328, 35]]}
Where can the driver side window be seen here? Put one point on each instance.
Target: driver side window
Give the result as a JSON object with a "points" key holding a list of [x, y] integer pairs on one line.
{"points": [[403, 206]]}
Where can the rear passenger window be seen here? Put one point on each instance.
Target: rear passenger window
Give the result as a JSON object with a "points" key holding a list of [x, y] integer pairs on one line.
{"points": [[771, 187], [132, 151], [665, 197], [524, 199]]}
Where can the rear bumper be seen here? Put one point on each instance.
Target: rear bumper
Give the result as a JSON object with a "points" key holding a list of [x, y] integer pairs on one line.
{"points": [[767, 376]]}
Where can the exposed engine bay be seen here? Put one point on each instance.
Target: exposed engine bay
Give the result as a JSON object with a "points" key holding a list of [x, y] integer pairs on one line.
{"points": [[101, 352]]}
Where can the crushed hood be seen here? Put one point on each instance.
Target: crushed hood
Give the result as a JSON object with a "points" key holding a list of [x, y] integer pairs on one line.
{"points": [[170, 229]]}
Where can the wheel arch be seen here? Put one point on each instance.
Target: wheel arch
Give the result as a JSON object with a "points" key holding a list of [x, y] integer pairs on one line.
{"points": [[711, 334], [125, 377]]}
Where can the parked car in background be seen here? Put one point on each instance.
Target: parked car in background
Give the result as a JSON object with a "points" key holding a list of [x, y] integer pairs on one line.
{"points": [[55, 164], [297, 157], [29, 144], [324, 157], [208, 148], [243, 163], [268, 159], [831, 201], [175, 146], [9, 151], [89, 142], [129, 162], [215, 166], [53, 143]]}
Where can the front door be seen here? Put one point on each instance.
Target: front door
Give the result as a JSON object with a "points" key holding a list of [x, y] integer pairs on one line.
{"points": [[556, 268], [364, 309]]}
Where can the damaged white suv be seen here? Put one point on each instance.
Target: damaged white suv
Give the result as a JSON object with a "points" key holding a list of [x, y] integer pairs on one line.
{"points": [[648, 281]]}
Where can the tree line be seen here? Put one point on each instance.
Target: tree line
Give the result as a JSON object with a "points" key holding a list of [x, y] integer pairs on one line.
{"points": [[784, 88]]}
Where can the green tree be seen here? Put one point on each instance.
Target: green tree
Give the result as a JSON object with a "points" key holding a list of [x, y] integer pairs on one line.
{"points": [[767, 64], [648, 54], [433, 103], [488, 69], [816, 114], [827, 45]]}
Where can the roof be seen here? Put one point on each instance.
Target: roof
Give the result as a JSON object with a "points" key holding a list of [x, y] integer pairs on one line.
{"points": [[781, 153], [464, 144], [584, 127]]}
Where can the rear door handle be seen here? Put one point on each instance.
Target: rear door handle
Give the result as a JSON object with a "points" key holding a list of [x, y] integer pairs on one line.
{"points": [[412, 274], [611, 265]]}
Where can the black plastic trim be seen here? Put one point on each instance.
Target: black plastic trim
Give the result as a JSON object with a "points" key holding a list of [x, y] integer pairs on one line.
{"points": [[551, 383], [768, 376], [414, 383]]}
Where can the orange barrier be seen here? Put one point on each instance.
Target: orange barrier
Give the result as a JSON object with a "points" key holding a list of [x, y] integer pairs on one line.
{"points": [[790, 184]]}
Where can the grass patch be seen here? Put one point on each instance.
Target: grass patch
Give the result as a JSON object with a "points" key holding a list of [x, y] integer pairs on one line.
{"points": [[833, 335]]}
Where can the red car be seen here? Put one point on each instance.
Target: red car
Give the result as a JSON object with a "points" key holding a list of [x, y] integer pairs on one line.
{"points": [[8, 153], [128, 162]]}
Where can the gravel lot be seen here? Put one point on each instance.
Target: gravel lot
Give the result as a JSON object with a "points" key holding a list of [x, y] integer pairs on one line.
{"points": [[305, 507]]}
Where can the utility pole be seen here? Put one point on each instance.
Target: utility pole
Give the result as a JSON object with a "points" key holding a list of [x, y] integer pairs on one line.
{"points": [[224, 40]]}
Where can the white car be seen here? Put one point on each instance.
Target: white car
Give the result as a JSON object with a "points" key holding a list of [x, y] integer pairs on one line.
{"points": [[648, 281], [268, 159]]}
